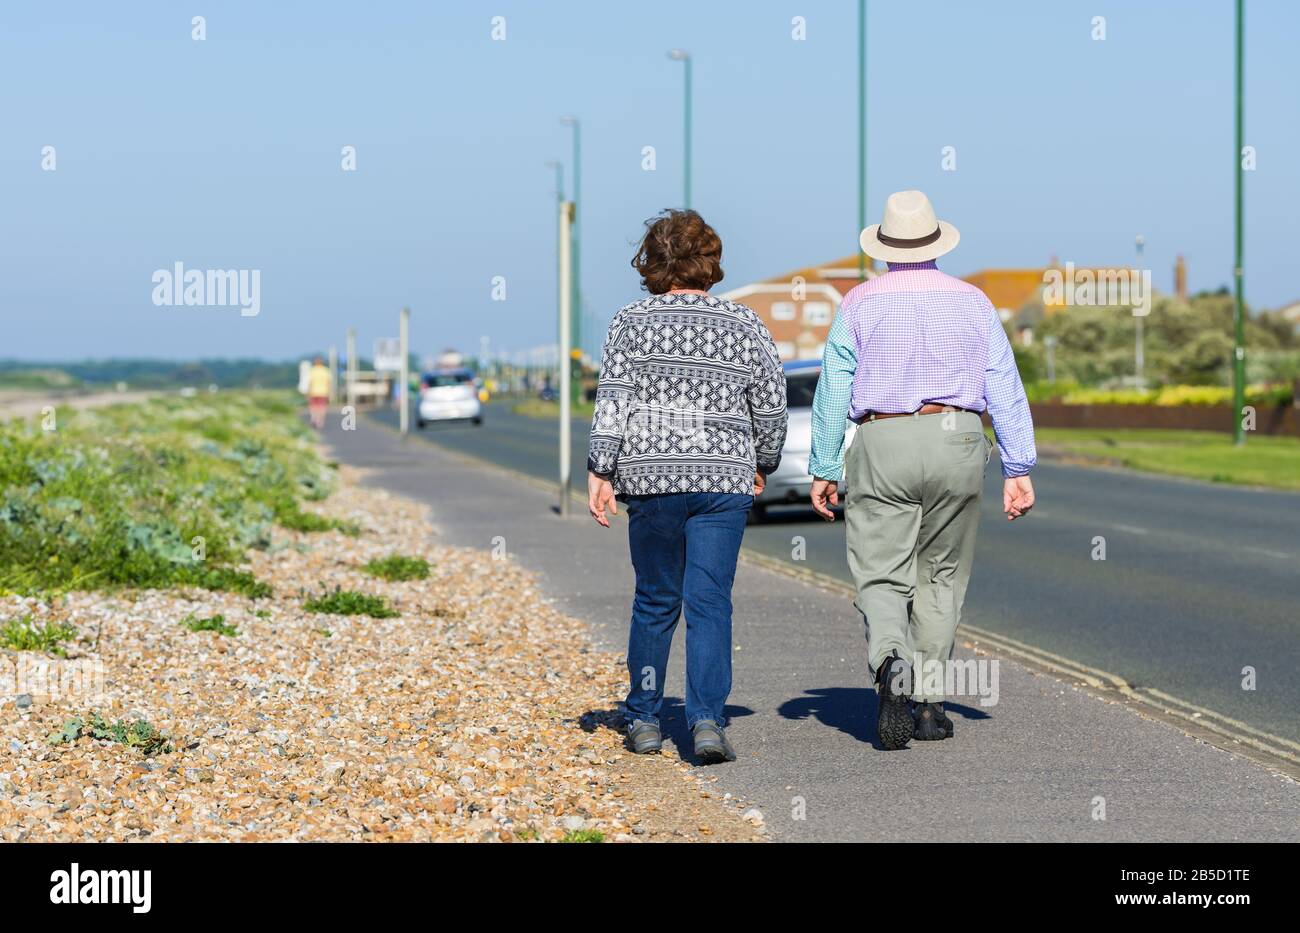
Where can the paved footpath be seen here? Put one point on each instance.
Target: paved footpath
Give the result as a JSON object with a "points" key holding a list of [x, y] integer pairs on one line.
{"points": [[1037, 766]]}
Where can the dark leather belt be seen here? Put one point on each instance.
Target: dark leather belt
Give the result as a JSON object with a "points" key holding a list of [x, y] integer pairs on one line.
{"points": [[928, 409]]}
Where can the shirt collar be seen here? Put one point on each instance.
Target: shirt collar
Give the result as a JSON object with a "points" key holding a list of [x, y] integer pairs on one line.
{"points": [[909, 266]]}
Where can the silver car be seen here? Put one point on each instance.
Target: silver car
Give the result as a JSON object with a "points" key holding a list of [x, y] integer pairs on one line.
{"points": [[448, 395], [791, 482]]}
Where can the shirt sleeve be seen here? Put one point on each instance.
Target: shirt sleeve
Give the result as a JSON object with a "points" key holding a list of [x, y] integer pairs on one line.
{"points": [[767, 399], [831, 402], [614, 395], [1008, 408]]}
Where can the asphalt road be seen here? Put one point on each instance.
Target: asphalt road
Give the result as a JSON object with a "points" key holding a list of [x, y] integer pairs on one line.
{"points": [[1199, 581], [1041, 763]]}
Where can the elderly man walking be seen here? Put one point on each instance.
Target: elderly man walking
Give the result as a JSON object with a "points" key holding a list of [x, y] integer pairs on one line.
{"points": [[914, 357]]}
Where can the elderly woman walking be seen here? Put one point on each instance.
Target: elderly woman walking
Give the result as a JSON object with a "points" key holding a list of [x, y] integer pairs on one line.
{"points": [[690, 416]]}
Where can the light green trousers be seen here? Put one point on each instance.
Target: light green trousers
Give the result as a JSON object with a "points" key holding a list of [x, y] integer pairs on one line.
{"points": [[912, 510]]}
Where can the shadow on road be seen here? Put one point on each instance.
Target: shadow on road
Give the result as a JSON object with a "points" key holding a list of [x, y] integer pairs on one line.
{"points": [[852, 710]]}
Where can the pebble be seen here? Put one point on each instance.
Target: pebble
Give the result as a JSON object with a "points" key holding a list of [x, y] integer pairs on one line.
{"points": [[461, 719]]}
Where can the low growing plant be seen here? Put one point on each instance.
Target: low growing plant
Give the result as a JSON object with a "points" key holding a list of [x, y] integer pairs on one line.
{"points": [[215, 623], [139, 735], [350, 603], [584, 835], [25, 635], [398, 567]]}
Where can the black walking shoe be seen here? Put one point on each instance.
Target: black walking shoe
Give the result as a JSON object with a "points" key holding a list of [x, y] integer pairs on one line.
{"points": [[932, 724], [711, 745], [644, 738], [894, 725]]}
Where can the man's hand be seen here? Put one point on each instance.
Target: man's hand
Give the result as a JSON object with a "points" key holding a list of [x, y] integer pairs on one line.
{"points": [[600, 495], [760, 481], [1017, 496], [825, 493]]}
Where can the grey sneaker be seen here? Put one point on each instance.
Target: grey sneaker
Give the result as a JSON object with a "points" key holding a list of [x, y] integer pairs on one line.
{"points": [[711, 745], [644, 738]]}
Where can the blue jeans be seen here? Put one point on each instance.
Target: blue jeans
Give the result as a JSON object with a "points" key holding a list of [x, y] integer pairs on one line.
{"points": [[684, 548]]}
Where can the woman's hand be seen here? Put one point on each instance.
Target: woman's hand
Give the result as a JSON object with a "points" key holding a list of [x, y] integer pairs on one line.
{"points": [[600, 495], [760, 481]]}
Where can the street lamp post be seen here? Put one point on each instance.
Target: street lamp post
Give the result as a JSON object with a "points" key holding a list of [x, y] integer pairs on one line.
{"points": [[575, 234], [1139, 354], [681, 55], [862, 132], [558, 166], [1238, 272], [563, 391], [404, 373]]}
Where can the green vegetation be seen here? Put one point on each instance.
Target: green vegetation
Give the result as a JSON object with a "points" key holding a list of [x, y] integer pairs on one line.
{"points": [[1071, 393], [295, 519], [25, 635], [584, 835], [215, 623], [140, 735], [1203, 455], [399, 567], [1186, 343], [350, 603], [35, 378], [165, 492], [150, 374], [537, 408]]}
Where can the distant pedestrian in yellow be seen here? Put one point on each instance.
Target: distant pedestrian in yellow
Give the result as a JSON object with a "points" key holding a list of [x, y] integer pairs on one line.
{"points": [[319, 382]]}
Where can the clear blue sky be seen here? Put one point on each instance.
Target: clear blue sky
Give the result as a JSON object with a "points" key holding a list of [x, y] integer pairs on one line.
{"points": [[225, 153]]}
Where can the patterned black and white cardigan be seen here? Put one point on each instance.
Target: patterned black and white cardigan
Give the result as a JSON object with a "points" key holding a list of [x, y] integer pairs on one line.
{"points": [[691, 398]]}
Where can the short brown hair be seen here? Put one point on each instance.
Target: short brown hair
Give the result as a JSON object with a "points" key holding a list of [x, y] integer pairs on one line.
{"points": [[679, 250]]}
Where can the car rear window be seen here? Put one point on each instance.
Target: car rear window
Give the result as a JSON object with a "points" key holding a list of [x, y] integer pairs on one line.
{"points": [[439, 380], [799, 389]]}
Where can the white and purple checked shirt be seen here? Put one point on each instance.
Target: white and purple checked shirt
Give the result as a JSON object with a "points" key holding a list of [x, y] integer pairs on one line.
{"points": [[915, 335]]}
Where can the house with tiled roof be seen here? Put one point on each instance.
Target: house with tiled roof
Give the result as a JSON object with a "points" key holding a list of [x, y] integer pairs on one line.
{"points": [[798, 307]]}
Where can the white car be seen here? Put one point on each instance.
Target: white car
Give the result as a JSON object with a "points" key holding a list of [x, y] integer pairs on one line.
{"points": [[792, 482], [448, 395]]}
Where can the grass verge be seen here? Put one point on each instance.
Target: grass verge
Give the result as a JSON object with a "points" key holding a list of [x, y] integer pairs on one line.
{"points": [[537, 408], [1203, 455]]}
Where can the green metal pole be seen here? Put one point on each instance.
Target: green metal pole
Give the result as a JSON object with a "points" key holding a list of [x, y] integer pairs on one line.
{"points": [[577, 233], [559, 232], [862, 131], [1239, 315], [687, 133]]}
